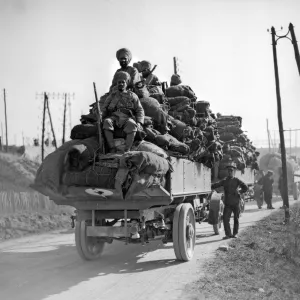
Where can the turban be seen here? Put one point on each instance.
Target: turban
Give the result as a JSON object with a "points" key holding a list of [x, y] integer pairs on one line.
{"points": [[145, 65], [124, 52], [121, 75], [175, 79]]}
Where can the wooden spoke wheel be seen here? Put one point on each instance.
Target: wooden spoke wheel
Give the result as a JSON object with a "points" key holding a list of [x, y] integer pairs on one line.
{"points": [[88, 247], [184, 232]]}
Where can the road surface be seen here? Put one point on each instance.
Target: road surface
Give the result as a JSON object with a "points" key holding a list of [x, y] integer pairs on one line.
{"points": [[48, 267]]}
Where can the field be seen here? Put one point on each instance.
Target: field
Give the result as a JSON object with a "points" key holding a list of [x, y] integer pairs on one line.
{"points": [[22, 210]]}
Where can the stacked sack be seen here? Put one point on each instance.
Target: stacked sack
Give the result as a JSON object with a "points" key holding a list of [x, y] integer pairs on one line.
{"points": [[237, 146]]}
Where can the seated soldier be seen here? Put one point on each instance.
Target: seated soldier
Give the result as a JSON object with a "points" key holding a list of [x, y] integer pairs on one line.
{"points": [[149, 78], [124, 57], [122, 108]]}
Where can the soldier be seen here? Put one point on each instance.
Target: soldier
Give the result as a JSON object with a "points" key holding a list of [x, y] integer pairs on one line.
{"points": [[122, 108], [232, 199], [150, 78], [267, 187], [124, 57]]}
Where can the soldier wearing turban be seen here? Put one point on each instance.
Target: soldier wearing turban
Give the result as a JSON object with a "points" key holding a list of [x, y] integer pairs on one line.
{"points": [[124, 57], [150, 78], [122, 108]]}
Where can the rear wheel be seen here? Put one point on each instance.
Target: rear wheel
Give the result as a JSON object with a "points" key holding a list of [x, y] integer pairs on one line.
{"points": [[88, 247], [184, 232]]}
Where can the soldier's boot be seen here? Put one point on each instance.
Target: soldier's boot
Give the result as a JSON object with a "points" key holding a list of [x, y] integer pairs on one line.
{"points": [[109, 136], [129, 141]]}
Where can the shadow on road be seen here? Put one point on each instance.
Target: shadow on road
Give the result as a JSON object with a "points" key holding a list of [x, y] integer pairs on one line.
{"points": [[47, 269]]}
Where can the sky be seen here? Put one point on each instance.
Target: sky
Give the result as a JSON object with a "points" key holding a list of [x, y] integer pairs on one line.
{"points": [[223, 47]]}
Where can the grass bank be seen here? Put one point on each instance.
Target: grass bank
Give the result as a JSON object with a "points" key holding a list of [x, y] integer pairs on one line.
{"points": [[263, 263]]}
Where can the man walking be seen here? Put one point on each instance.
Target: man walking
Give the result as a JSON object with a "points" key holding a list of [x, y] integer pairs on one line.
{"points": [[267, 187], [232, 199]]}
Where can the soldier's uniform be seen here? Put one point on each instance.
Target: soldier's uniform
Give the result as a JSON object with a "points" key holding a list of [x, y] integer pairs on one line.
{"points": [[122, 109]]}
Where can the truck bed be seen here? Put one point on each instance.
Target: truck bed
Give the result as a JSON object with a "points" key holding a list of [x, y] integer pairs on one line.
{"points": [[188, 178]]}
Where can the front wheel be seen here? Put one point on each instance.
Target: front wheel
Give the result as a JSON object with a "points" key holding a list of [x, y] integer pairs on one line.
{"points": [[184, 232], [88, 247]]}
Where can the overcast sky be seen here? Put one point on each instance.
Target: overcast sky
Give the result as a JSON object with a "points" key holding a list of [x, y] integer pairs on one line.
{"points": [[224, 51]]}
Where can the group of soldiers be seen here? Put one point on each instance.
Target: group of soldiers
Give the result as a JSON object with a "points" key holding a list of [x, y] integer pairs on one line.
{"points": [[122, 108]]}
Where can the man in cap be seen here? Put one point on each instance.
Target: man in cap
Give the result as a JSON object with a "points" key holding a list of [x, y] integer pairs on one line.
{"points": [[267, 187], [124, 57], [149, 78], [232, 199], [122, 108]]}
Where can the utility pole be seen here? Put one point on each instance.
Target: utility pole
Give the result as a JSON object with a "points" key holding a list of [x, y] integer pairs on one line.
{"points": [[6, 134], [268, 132], [64, 122], [43, 128], [295, 45], [281, 132], [175, 65], [51, 124]]}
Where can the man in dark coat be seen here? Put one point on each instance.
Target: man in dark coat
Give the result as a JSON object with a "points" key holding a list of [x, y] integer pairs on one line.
{"points": [[232, 199], [267, 187]]}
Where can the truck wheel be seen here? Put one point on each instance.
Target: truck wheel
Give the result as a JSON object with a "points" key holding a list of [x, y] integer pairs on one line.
{"points": [[184, 232], [88, 247]]}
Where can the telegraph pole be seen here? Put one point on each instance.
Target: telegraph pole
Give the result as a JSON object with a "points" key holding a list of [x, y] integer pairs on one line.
{"points": [[175, 65], [43, 129], [295, 45], [64, 122], [281, 132], [51, 124], [6, 134], [268, 135]]}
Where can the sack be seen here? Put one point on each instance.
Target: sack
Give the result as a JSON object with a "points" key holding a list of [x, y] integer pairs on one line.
{"points": [[180, 90], [152, 109], [155, 89], [141, 91], [233, 129], [141, 182], [226, 136], [202, 107], [180, 130], [51, 170], [176, 100], [83, 131], [150, 147], [161, 98], [144, 162], [102, 177], [171, 143], [181, 106], [151, 134]]}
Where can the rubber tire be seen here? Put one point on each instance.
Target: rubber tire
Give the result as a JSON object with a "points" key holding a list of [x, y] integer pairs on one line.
{"points": [[179, 232], [81, 241]]}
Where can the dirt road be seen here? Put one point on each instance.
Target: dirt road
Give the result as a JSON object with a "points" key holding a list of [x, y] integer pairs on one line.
{"points": [[48, 267]]}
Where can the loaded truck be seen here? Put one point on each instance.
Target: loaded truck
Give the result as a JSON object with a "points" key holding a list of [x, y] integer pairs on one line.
{"points": [[169, 213]]}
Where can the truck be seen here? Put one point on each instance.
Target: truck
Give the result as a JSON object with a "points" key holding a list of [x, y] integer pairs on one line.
{"points": [[168, 213]]}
